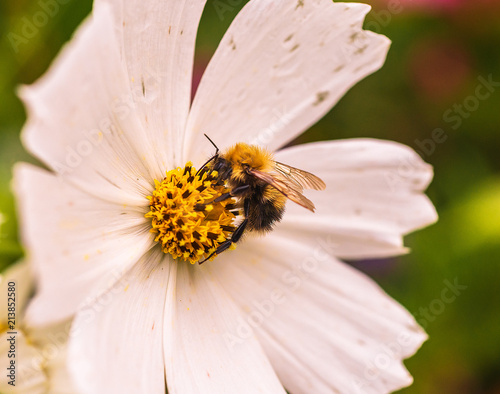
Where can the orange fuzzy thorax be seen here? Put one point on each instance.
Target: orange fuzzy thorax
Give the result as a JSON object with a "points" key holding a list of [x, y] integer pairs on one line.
{"points": [[255, 157]]}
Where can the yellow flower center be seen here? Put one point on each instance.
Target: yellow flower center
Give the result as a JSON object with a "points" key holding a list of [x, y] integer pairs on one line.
{"points": [[189, 224]]}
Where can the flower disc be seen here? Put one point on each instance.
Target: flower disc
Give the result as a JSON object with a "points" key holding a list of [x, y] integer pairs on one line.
{"points": [[188, 222]]}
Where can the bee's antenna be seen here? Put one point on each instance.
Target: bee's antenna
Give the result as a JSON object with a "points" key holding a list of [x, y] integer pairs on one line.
{"points": [[215, 146], [212, 158]]}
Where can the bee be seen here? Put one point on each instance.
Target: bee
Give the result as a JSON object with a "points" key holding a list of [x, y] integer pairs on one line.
{"points": [[260, 185]]}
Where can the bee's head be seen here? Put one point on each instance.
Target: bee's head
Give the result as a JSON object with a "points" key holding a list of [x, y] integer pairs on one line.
{"points": [[243, 156]]}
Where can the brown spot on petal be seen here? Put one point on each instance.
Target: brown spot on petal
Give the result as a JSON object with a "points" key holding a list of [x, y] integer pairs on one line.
{"points": [[339, 68], [359, 51], [320, 97], [353, 37]]}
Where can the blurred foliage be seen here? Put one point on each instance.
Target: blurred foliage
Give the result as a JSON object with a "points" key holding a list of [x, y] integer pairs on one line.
{"points": [[438, 57]]}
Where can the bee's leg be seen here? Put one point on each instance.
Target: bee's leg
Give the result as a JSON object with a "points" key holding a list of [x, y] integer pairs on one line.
{"points": [[222, 197], [235, 237], [233, 193], [227, 244]]}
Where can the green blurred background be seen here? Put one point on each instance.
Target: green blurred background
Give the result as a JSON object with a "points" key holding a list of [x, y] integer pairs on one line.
{"points": [[441, 51]]}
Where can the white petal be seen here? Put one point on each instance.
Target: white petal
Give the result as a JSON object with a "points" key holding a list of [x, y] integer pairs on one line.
{"points": [[279, 68], [200, 355], [29, 375], [116, 343], [20, 274], [374, 195], [82, 118], [157, 44], [51, 344], [60, 381], [325, 326], [79, 245]]}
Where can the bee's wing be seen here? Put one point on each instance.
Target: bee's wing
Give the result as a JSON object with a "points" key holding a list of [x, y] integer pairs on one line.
{"points": [[302, 179], [289, 189]]}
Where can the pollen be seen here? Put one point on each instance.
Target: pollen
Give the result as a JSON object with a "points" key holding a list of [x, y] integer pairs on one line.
{"points": [[186, 215]]}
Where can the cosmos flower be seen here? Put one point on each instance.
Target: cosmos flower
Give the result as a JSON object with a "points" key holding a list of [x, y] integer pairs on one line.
{"points": [[34, 359], [113, 121]]}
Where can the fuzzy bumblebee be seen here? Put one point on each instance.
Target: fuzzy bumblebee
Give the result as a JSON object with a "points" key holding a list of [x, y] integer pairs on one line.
{"points": [[260, 185]]}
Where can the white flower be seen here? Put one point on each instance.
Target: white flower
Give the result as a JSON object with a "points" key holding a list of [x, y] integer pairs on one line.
{"points": [[113, 114], [32, 360]]}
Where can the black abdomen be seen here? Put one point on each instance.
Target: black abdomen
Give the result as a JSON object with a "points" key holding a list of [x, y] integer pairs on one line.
{"points": [[263, 213]]}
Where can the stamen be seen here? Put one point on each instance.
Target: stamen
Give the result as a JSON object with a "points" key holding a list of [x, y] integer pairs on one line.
{"points": [[188, 223]]}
